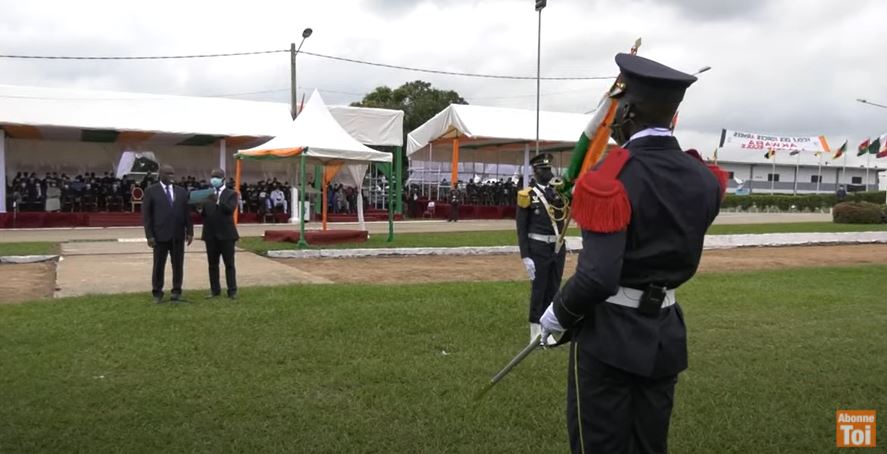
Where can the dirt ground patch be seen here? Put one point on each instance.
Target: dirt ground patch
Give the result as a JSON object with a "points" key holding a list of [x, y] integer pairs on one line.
{"points": [[25, 282], [509, 267]]}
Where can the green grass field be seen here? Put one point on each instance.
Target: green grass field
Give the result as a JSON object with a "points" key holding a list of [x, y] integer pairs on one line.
{"points": [[509, 237], [29, 248], [342, 368]]}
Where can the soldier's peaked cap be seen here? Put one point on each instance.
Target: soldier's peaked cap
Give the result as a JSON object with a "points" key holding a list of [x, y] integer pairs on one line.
{"points": [[542, 160], [646, 79]]}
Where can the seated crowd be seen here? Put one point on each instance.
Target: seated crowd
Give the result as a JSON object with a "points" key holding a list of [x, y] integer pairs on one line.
{"points": [[92, 192]]}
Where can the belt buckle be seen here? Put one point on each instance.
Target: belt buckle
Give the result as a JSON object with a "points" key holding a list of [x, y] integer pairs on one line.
{"points": [[652, 299]]}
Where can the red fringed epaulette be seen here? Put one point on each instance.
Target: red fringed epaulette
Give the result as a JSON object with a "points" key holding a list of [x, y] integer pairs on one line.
{"points": [[600, 203], [719, 173]]}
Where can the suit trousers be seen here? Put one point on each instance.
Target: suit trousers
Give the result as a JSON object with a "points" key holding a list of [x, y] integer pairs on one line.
{"points": [[613, 411], [175, 249], [549, 272], [224, 248]]}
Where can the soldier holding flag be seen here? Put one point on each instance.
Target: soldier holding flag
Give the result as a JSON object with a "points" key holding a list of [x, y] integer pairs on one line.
{"points": [[643, 212]]}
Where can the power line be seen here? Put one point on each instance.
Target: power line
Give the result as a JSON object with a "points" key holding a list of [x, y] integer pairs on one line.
{"points": [[142, 57], [313, 54], [451, 73]]}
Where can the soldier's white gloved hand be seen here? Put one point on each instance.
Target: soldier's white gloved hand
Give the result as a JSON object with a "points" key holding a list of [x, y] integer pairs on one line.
{"points": [[530, 266], [550, 326]]}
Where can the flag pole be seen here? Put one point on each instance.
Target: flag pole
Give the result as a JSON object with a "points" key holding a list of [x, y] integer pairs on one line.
{"points": [[797, 167], [867, 155], [773, 174], [819, 173]]}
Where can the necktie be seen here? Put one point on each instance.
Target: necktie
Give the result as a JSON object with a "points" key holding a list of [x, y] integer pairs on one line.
{"points": [[169, 194], [218, 193]]}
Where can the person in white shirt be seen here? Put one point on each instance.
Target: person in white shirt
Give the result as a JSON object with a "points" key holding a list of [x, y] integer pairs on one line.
{"points": [[278, 199]]}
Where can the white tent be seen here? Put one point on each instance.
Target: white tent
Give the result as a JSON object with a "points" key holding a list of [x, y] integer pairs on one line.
{"points": [[493, 135], [315, 136]]}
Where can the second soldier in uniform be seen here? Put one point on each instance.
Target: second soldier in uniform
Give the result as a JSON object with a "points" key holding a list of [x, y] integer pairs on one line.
{"points": [[540, 221]]}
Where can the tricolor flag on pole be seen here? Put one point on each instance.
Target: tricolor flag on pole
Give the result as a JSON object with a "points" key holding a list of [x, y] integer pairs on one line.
{"points": [[883, 152], [863, 148], [840, 151], [875, 146], [770, 153]]}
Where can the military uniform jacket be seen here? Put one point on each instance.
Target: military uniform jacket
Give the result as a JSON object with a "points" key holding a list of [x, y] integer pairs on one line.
{"points": [[533, 218], [674, 198]]}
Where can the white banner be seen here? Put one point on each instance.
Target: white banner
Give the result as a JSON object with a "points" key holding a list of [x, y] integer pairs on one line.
{"points": [[763, 142]]}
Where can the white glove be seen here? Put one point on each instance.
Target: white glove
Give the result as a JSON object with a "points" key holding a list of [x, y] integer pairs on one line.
{"points": [[530, 266], [550, 326]]}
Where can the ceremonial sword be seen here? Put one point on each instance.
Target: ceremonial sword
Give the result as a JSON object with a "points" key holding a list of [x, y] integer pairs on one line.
{"points": [[534, 344]]}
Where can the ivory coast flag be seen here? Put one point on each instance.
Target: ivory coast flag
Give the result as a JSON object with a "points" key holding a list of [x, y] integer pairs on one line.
{"points": [[863, 148], [840, 151], [875, 146]]}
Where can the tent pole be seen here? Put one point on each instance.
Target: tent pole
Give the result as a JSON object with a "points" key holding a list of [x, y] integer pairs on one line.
{"points": [[398, 178], [390, 204], [323, 197], [2, 171], [301, 211], [454, 169], [223, 162], [237, 166], [435, 182], [526, 166], [318, 177]]}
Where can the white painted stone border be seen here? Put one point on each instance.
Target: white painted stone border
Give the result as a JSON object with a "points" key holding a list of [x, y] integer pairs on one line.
{"points": [[575, 244], [20, 259]]}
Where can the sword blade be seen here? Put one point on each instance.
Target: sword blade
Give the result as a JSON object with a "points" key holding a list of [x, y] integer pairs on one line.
{"points": [[533, 345]]}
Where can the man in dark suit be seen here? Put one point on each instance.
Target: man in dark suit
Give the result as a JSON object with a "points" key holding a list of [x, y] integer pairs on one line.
{"points": [[168, 227], [220, 233]]}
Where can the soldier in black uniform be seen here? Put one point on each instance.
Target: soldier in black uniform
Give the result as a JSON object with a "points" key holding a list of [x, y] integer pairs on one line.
{"points": [[644, 213], [540, 220]]}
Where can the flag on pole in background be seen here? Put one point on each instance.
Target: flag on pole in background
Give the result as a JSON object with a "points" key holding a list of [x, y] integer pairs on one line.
{"points": [[863, 148], [875, 146], [882, 153], [770, 154], [794, 152], [841, 151]]}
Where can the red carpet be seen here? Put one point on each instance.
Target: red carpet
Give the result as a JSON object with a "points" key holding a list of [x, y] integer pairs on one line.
{"points": [[318, 236], [442, 211]]}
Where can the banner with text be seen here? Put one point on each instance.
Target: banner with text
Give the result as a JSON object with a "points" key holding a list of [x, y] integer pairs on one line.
{"points": [[763, 142]]}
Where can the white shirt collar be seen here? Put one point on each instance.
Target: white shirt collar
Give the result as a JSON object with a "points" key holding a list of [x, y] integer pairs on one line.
{"points": [[662, 132]]}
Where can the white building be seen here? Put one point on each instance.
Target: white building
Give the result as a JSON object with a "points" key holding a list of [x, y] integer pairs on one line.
{"points": [[804, 173]]}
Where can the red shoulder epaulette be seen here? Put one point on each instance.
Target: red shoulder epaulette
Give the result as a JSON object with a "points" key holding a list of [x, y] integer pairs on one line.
{"points": [[719, 173], [600, 203]]}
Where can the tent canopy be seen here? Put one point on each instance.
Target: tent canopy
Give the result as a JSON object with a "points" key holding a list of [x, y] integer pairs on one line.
{"points": [[92, 116], [493, 134], [317, 135]]}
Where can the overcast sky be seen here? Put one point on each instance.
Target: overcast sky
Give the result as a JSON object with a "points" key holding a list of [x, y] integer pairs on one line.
{"points": [[790, 67]]}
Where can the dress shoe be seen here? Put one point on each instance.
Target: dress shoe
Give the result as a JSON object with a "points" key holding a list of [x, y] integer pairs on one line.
{"points": [[210, 296], [232, 296], [158, 300], [175, 298]]}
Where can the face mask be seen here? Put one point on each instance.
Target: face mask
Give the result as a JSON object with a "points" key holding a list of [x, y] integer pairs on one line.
{"points": [[216, 182], [543, 176]]}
